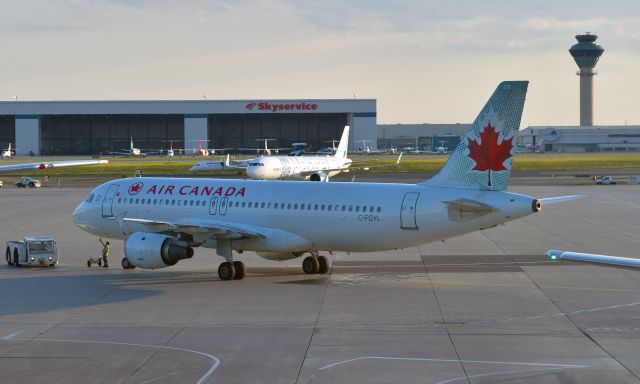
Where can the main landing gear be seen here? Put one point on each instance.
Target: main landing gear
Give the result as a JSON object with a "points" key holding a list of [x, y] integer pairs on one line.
{"points": [[229, 270], [315, 263], [232, 270]]}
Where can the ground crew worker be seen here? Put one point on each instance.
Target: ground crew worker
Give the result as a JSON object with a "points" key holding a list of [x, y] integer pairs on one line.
{"points": [[105, 253]]}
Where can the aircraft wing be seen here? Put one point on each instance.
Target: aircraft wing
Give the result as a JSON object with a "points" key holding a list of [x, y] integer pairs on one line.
{"points": [[594, 258], [51, 164], [212, 228]]}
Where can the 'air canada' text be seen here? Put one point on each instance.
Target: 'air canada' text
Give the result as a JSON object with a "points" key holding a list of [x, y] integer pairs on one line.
{"points": [[197, 190]]}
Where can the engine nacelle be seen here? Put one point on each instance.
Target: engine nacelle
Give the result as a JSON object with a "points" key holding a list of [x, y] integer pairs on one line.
{"points": [[279, 256], [154, 250], [319, 176]]}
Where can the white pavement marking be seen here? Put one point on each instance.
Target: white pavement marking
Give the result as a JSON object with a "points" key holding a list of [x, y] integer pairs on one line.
{"points": [[553, 314], [203, 379], [11, 335], [498, 373], [554, 366]]}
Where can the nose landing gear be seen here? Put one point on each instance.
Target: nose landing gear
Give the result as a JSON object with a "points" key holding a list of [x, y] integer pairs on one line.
{"points": [[315, 264]]}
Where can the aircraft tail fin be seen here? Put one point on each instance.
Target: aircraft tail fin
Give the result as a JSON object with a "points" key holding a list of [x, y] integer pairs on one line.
{"points": [[483, 158], [343, 145]]}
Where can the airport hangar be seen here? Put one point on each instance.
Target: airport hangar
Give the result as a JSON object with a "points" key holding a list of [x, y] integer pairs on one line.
{"points": [[94, 127]]}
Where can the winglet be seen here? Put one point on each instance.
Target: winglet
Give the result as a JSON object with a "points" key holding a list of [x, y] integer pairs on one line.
{"points": [[399, 157]]}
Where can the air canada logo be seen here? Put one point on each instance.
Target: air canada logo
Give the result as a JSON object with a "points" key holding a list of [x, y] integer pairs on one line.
{"points": [[250, 106], [487, 153], [135, 188]]}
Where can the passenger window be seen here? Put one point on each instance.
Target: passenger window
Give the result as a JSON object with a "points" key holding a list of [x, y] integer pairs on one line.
{"points": [[302, 206], [249, 204], [262, 205], [289, 206], [295, 206], [173, 202], [191, 203], [379, 209], [243, 204], [322, 207], [357, 208], [315, 207], [350, 208], [137, 201], [119, 200], [166, 202], [371, 209], [155, 201], [344, 208], [269, 206], [142, 201]]}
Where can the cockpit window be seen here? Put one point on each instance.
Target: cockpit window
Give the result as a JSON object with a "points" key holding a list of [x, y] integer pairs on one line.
{"points": [[256, 164], [89, 198]]}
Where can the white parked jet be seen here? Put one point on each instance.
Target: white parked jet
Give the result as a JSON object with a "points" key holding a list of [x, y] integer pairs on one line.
{"points": [[7, 153], [314, 168], [161, 219], [131, 151]]}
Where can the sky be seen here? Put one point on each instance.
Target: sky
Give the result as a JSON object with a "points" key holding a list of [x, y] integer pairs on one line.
{"points": [[423, 61]]}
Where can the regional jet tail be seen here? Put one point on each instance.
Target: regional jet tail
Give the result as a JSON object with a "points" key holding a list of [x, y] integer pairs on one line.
{"points": [[162, 219]]}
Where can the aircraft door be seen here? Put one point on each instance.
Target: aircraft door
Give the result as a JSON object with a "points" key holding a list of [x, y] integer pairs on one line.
{"points": [[107, 202], [223, 205], [213, 206], [408, 211]]}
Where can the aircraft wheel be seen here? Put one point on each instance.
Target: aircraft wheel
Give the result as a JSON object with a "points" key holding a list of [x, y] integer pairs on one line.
{"points": [[310, 265], [126, 264], [241, 270], [88, 263], [8, 257], [226, 271], [323, 265]]}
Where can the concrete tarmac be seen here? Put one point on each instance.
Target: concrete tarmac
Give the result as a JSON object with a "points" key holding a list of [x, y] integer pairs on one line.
{"points": [[481, 308]]}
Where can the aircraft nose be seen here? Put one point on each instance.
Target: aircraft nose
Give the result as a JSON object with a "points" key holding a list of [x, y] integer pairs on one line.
{"points": [[255, 173]]}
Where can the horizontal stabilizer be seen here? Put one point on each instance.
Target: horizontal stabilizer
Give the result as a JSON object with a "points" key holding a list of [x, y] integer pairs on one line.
{"points": [[561, 199], [593, 258]]}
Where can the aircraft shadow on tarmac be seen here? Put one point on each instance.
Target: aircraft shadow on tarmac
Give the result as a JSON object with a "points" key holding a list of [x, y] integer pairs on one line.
{"points": [[28, 292]]}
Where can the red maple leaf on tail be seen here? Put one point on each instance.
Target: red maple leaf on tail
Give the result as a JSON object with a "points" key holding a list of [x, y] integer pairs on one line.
{"points": [[488, 154]]}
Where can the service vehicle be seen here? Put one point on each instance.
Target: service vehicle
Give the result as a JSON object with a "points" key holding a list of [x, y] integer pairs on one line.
{"points": [[32, 250], [26, 181], [605, 180]]}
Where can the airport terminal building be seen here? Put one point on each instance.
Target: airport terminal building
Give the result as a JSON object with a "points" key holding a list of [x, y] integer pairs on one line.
{"points": [[95, 127], [580, 138]]}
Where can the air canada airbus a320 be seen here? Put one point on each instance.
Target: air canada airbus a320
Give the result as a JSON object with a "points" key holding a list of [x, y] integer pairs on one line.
{"points": [[162, 219]]}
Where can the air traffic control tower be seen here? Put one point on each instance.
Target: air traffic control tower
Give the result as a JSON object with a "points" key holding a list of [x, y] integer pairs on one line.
{"points": [[586, 54]]}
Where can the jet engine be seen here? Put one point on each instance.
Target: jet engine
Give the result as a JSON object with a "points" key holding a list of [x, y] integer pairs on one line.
{"points": [[319, 176], [279, 256], [154, 250]]}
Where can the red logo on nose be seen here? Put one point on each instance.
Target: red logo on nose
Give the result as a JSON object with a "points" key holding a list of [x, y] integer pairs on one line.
{"points": [[135, 188], [250, 106]]}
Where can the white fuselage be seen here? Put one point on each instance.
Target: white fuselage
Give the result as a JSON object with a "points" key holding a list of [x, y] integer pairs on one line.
{"points": [[326, 216], [294, 167]]}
